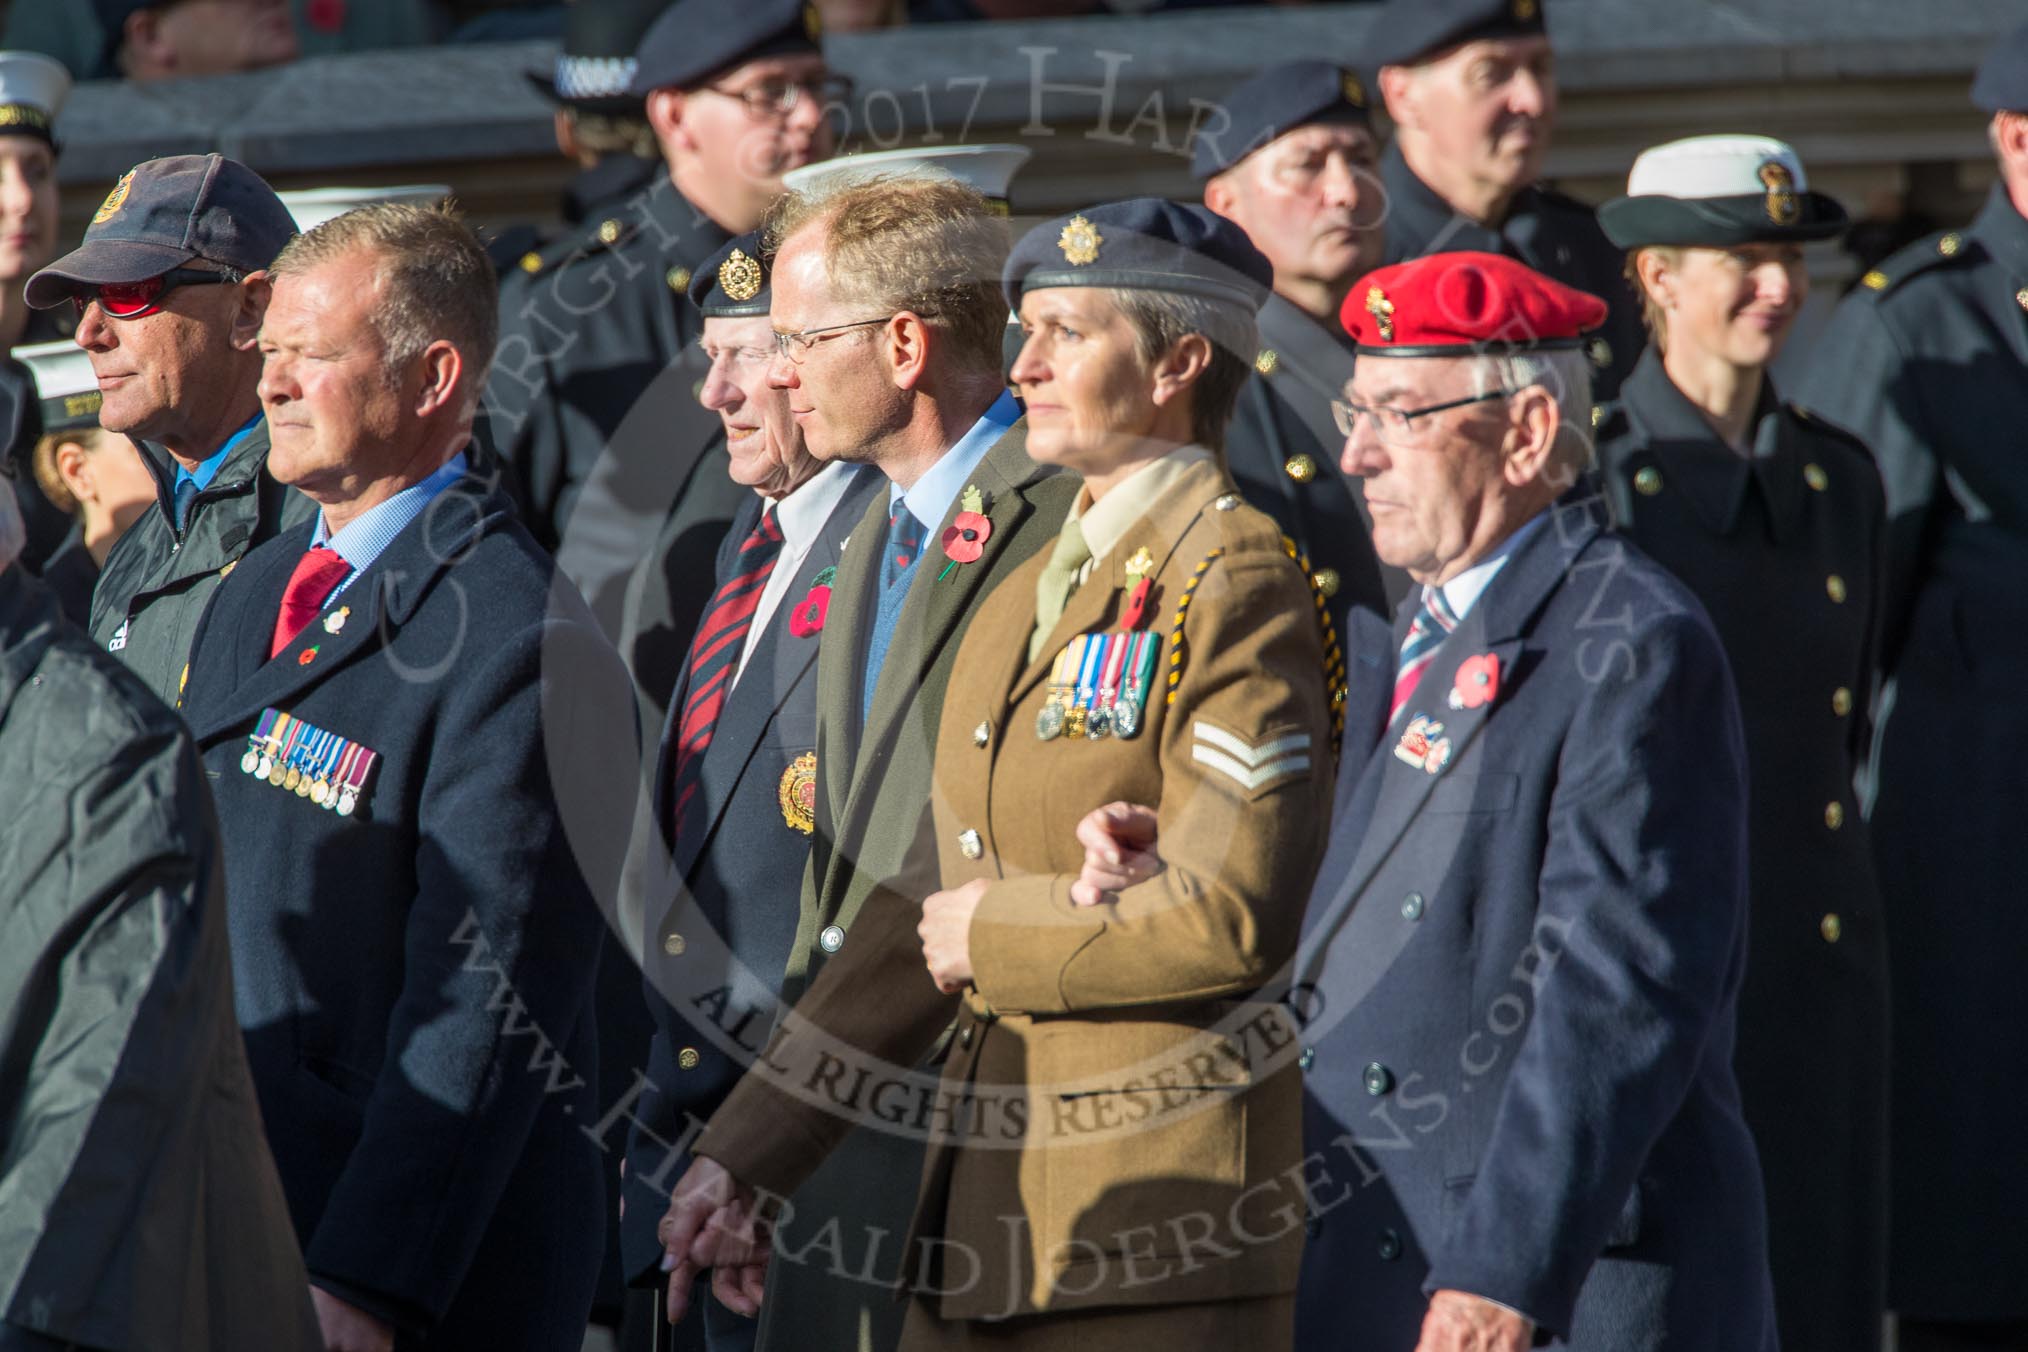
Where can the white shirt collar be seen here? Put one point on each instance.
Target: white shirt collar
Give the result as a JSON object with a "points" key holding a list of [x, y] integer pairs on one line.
{"points": [[1463, 591], [803, 513]]}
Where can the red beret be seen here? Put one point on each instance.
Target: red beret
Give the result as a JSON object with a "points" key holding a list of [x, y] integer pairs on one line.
{"points": [[1451, 304]]}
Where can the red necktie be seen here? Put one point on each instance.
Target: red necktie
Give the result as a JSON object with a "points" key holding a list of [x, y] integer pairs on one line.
{"points": [[310, 586]]}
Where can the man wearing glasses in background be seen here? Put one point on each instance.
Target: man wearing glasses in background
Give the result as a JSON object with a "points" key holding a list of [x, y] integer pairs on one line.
{"points": [[170, 286]]}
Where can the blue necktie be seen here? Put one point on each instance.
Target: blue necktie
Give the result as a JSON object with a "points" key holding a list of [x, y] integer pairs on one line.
{"points": [[186, 489], [899, 555]]}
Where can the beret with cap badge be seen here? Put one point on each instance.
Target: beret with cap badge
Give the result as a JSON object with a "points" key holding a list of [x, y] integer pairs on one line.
{"points": [[733, 282], [1278, 100], [1454, 304], [1144, 244]]}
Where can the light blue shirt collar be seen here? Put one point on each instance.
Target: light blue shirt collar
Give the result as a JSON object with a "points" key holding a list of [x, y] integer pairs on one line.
{"points": [[207, 469], [1464, 590], [367, 536], [931, 498]]}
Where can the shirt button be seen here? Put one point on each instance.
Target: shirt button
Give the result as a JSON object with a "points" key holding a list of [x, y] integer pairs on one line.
{"points": [[1307, 1059], [1834, 815], [688, 1058], [1831, 927], [1389, 1247], [673, 945], [1841, 701], [1378, 1078], [1327, 581], [1411, 906], [969, 844], [832, 939], [982, 734], [1301, 468], [1834, 587]]}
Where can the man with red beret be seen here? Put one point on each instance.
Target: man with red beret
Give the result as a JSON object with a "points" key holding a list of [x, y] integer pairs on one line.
{"points": [[1523, 951]]}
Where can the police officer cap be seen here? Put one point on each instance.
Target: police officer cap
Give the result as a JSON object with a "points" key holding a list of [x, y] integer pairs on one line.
{"points": [[1408, 31], [164, 213], [733, 283], [32, 92], [1718, 191], [696, 39], [595, 68], [1147, 244], [64, 384], [2002, 83], [1279, 99], [1455, 304]]}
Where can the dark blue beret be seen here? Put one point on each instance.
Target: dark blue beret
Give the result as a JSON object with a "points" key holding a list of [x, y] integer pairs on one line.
{"points": [[1407, 31], [1146, 244], [695, 39], [595, 67], [1279, 99], [2002, 83], [732, 283]]}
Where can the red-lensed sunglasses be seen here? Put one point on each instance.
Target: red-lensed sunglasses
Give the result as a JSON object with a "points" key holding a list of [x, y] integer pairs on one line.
{"points": [[136, 300]]}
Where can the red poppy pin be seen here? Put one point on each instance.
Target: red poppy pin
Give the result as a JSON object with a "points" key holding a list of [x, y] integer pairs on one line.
{"points": [[307, 656], [807, 619], [968, 533], [1478, 682]]}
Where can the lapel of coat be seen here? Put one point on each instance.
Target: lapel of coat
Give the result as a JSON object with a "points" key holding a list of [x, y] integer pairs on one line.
{"points": [[1498, 624], [375, 605], [855, 594], [774, 670]]}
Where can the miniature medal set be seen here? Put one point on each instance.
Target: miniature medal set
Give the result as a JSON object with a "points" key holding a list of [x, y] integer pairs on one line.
{"points": [[1099, 683], [300, 758]]}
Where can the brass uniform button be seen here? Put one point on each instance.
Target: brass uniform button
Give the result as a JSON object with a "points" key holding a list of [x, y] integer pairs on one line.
{"points": [[673, 945], [1266, 362], [679, 279], [1834, 815], [531, 261], [1841, 701], [1327, 581], [1875, 280], [1600, 352], [982, 735], [1834, 587], [1949, 245], [1227, 503], [2021, 298], [1597, 414], [1301, 468], [969, 844], [609, 231], [1814, 476], [688, 1058], [1831, 927], [1648, 481]]}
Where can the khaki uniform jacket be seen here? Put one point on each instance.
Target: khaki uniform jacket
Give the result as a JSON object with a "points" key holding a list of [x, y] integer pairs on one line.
{"points": [[1108, 1109]]}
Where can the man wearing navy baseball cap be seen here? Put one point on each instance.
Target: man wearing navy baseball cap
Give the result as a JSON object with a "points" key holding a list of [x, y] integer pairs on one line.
{"points": [[170, 286], [1294, 163]]}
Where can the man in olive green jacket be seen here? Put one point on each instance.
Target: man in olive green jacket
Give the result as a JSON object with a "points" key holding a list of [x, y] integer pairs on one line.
{"points": [[170, 284]]}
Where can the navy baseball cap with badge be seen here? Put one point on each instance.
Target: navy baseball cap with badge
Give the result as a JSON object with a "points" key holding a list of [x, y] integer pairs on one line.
{"points": [[2002, 82], [1410, 31], [1716, 192], [1146, 244], [732, 283], [1278, 100], [163, 214], [694, 40]]}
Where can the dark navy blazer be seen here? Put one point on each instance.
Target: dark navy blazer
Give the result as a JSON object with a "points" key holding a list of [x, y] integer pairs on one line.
{"points": [[414, 979], [719, 939], [1519, 975]]}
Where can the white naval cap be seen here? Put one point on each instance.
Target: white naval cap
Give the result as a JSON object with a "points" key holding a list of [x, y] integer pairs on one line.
{"points": [[1719, 191], [64, 384], [987, 168], [32, 92], [313, 206]]}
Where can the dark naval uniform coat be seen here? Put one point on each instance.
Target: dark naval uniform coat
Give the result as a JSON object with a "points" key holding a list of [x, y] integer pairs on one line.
{"points": [[1783, 552], [720, 932], [1283, 447], [873, 839], [139, 1209], [1520, 968], [591, 404], [1927, 364], [415, 977], [1549, 231], [157, 581]]}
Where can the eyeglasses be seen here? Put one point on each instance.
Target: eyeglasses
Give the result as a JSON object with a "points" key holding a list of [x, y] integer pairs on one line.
{"points": [[777, 98], [1399, 423], [136, 300], [796, 346], [738, 357]]}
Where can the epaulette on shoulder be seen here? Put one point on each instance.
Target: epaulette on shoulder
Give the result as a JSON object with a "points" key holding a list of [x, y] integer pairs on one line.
{"points": [[1932, 251]]}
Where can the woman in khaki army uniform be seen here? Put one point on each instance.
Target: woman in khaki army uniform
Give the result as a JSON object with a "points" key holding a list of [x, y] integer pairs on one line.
{"points": [[1167, 651], [1774, 520]]}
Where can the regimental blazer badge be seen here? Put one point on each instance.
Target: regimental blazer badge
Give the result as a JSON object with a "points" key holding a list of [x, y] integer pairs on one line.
{"points": [[798, 793]]}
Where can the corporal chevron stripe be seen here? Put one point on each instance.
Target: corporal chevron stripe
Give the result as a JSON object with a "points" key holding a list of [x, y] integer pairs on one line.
{"points": [[1249, 765]]}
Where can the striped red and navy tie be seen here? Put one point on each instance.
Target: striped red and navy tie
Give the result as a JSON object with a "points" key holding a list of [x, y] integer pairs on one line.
{"points": [[714, 653], [1433, 623]]}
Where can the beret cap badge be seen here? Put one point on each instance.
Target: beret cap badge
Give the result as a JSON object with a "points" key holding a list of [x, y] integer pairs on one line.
{"points": [[1352, 89], [115, 199], [1525, 10], [1080, 242], [1382, 310], [739, 276], [1782, 207]]}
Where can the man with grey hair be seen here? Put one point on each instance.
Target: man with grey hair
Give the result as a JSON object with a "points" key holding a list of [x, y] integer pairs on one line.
{"points": [[170, 285], [421, 747], [1521, 961]]}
